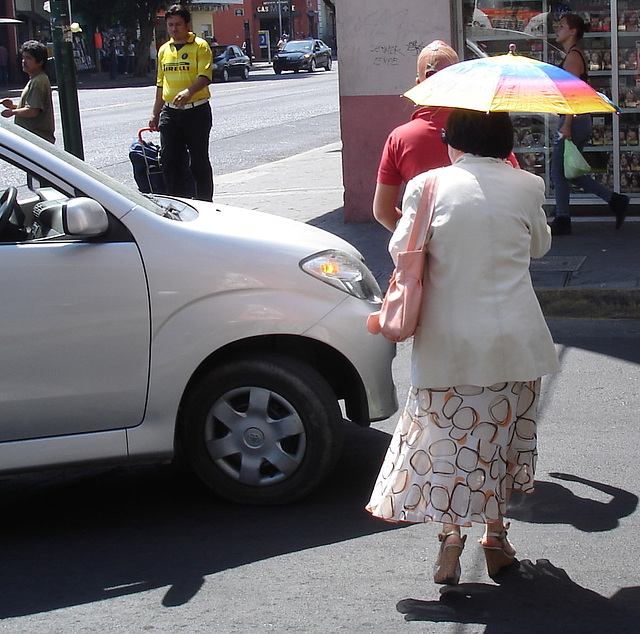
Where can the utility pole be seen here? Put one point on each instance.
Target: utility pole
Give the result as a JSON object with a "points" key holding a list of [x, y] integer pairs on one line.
{"points": [[66, 77]]}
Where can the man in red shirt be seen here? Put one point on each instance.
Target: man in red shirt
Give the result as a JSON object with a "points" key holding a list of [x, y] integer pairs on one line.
{"points": [[416, 146]]}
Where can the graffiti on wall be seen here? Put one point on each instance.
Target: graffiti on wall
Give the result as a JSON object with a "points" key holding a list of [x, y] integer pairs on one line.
{"points": [[392, 54]]}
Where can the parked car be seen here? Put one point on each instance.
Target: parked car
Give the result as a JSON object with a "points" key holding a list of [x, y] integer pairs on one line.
{"points": [[229, 61], [132, 326], [300, 55]]}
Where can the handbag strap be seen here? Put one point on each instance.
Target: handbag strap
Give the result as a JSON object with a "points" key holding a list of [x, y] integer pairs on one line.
{"points": [[424, 213]]}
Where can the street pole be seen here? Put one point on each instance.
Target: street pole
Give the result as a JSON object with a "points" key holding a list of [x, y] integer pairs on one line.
{"points": [[291, 35], [66, 77]]}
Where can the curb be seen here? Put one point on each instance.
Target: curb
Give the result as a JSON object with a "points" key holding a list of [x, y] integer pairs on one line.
{"points": [[590, 303]]}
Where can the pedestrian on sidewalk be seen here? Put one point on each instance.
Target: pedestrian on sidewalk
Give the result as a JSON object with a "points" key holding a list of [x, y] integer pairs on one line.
{"points": [[113, 59], [181, 111], [131, 58], [577, 129], [34, 111], [413, 147], [467, 435]]}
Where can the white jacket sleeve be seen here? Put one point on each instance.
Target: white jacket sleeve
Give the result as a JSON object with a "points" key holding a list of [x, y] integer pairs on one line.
{"points": [[410, 202]]}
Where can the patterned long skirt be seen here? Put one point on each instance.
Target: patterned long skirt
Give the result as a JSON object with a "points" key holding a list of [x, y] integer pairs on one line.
{"points": [[456, 452]]}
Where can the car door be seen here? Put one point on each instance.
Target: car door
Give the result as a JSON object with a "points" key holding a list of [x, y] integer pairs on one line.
{"points": [[74, 337], [319, 53], [235, 61]]}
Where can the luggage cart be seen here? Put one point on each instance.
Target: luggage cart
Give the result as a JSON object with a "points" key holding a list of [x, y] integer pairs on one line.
{"points": [[147, 166]]}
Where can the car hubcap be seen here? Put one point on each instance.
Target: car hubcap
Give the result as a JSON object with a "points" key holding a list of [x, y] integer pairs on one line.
{"points": [[255, 436]]}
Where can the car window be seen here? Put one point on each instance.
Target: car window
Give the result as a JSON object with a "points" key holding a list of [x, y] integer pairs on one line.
{"points": [[217, 51], [290, 47]]}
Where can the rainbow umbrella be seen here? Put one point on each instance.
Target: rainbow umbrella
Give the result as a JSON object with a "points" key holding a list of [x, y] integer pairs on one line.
{"points": [[509, 83]]}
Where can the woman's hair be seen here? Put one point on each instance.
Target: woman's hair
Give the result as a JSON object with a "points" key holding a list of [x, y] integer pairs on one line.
{"points": [[481, 133], [179, 10], [37, 50], [574, 21]]}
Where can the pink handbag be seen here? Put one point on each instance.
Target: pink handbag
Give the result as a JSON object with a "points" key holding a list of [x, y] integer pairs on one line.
{"points": [[397, 319]]}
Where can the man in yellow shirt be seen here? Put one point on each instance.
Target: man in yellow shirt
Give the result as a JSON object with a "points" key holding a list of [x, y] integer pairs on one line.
{"points": [[181, 111]]}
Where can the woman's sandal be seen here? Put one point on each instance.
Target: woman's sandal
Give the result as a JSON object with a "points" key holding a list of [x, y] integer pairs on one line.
{"points": [[496, 557], [447, 570]]}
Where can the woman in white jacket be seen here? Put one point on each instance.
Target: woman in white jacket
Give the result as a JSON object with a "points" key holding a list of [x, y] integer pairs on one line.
{"points": [[467, 435]]}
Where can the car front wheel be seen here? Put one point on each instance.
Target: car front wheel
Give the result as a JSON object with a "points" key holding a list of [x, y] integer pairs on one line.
{"points": [[225, 75], [262, 430], [277, 70], [245, 73], [312, 66], [327, 66]]}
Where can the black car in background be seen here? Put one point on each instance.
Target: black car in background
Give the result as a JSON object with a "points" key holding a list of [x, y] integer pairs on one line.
{"points": [[229, 61], [300, 55]]}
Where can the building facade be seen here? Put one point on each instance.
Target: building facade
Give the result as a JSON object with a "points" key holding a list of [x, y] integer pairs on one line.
{"points": [[259, 24]]}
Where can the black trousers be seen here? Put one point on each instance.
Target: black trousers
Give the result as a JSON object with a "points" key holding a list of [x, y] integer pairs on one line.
{"points": [[184, 138]]}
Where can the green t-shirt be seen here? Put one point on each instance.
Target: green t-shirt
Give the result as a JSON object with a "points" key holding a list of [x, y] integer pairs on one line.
{"points": [[37, 94]]}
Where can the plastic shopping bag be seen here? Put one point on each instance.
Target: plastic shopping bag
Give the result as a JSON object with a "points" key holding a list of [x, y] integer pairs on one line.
{"points": [[574, 163]]}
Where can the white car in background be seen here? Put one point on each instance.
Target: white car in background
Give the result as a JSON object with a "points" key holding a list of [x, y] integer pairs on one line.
{"points": [[131, 326]]}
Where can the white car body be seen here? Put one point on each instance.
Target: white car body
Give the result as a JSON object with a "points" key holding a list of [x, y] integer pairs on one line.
{"points": [[104, 336]]}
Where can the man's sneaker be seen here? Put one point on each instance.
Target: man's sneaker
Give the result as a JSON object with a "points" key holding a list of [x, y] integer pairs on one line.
{"points": [[561, 226], [619, 204]]}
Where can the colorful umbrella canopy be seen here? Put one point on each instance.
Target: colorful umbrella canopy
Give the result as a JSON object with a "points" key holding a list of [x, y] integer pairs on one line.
{"points": [[509, 83]]}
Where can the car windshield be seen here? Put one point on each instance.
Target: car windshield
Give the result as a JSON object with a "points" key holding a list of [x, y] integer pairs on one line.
{"points": [[302, 46], [8, 175], [218, 51]]}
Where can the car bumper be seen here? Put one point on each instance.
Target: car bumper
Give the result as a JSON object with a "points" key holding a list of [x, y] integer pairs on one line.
{"points": [[371, 355], [288, 65]]}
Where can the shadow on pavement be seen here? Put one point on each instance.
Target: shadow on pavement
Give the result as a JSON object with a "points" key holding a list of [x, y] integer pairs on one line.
{"points": [[552, 503], [530, 598], [81, 537]]}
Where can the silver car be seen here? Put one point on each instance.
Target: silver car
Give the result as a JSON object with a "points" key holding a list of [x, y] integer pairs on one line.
{"points": [[131, 326]]}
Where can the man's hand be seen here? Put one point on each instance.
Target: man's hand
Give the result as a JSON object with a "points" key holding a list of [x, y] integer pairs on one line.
{"points": [[182, 98]]}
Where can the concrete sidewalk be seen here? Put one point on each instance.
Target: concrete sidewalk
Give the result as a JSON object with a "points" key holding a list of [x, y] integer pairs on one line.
{"points": [[594, 273]]}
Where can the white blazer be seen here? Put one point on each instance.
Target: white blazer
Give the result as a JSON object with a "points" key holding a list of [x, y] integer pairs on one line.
{"points": [[480, 322]]}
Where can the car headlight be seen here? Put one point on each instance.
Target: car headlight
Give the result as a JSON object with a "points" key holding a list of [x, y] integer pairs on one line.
{"points": [[307, 56], [344, 272]]}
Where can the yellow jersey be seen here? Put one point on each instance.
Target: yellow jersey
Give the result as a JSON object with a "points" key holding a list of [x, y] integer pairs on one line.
{"points": [[179, 67]]}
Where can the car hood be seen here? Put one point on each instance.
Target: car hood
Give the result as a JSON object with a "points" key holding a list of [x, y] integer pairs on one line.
{"points": [[292, 55], [288, 236]]}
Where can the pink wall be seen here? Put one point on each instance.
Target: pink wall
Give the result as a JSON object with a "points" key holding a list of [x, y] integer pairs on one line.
{"points": [[378, 45], [365, 122]]}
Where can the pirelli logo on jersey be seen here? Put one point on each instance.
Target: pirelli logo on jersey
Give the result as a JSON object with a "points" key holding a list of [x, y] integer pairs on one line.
{"points": [[176, 66]]}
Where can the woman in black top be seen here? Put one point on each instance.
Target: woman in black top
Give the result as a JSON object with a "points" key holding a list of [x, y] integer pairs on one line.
{"points": [[578, 129]]}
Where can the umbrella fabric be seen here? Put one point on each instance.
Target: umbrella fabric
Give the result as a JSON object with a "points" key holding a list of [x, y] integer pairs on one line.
{"points": [[509, 83]]}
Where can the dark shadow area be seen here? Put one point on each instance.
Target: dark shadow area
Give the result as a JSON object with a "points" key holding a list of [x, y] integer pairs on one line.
{"points": [[80, 537], [551, 503], [618, 339], [530, 599]]}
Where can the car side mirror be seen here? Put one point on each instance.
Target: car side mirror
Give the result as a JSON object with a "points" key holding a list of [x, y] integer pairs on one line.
{"points": [[84, 217]]}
